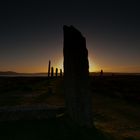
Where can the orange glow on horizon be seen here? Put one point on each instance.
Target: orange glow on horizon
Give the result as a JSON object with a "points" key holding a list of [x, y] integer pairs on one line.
{"points": [[58, 63], [92, 66]]}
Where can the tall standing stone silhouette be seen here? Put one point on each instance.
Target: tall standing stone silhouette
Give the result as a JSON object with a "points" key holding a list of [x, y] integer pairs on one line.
{"points": [[52, 72], [101, 73], [49, 68], [61, 73], [56, 72], [76, 77]]}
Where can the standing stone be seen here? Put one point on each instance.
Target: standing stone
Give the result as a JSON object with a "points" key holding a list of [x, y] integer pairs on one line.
{"points": [[56, 72], [101, 73], [49, 68], [76, 77], [52, 72], [61, 73]]}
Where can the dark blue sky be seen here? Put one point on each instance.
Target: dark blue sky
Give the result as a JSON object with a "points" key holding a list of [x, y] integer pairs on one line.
{"points": [[31, 34]]}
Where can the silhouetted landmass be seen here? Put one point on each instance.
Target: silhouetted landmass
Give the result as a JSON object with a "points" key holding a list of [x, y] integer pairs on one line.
{"points": [[8, 73], [12, 73]]}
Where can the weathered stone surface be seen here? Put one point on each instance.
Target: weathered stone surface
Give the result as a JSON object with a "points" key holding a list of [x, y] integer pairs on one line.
{"points": [[76, 77]]}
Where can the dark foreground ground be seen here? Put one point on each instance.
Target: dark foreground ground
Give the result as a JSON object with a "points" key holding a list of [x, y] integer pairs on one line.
{"points": [[116, 105], [51, 129]]}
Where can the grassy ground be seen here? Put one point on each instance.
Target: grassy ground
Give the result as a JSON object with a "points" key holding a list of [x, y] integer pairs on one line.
{"points": [[117, 117], [52, 129], [115, 106]]}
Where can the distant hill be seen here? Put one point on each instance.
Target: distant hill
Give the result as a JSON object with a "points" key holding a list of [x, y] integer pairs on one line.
{"points": [[112, 73], [11, 73], [8, 73], [16, 73]]}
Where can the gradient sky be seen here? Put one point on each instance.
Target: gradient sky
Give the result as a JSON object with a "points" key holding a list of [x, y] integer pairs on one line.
{"points": [[32, 33]]}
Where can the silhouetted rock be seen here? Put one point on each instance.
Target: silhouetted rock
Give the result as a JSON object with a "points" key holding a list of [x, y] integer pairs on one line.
{"points": [[61, 73], [101, 73], [56, 72], [8, 73], [49, 68], [76, 77], [52, 72]]}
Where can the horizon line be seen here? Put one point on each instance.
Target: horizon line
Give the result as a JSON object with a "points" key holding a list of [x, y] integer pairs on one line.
{"points": [[63, 72]]}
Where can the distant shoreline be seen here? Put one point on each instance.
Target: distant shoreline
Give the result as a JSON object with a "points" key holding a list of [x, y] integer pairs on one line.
{"points": [[91, 74], [24, 75]]}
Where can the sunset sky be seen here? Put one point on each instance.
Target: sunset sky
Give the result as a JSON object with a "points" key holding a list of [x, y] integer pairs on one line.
{"points": [[31, 34]]}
